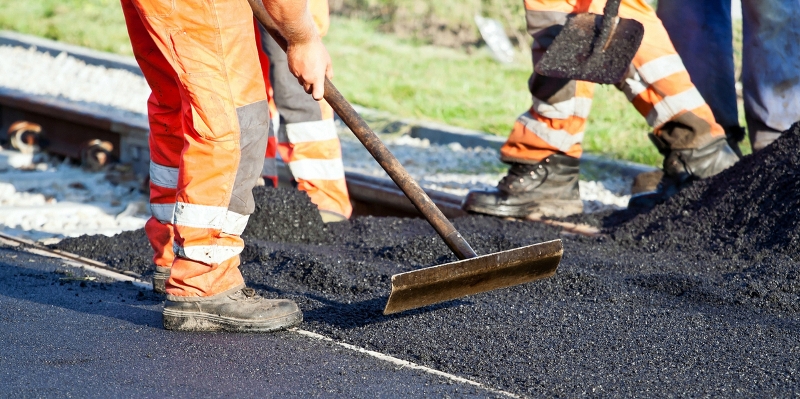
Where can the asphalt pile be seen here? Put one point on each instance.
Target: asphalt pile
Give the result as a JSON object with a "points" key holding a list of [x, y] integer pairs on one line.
{"points": [[749, 210], [700, 296]]}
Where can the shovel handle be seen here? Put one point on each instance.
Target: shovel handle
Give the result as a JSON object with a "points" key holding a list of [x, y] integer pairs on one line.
{"points": [[611, 9], [398, 173], [610, 12], [388, 162]]}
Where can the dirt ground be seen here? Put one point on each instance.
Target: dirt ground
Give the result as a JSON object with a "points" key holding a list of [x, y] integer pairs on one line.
{"points": [[699, 296]]}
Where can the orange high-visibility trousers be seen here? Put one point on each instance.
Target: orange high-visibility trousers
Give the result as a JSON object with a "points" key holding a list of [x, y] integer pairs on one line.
{"points": [[657, 85], [306, 138], [209, 120]]}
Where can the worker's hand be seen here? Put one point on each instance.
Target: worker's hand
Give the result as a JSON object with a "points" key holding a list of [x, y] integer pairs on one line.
{"points": [[310, 63]]}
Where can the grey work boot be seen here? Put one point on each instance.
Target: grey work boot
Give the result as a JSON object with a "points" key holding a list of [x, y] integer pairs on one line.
{"points": [[684, 166], [236, 310], [546, 188], [160, 280]]}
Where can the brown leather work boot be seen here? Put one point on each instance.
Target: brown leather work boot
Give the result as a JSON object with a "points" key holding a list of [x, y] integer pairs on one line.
{"points": [[236, 310], [546, 188]]}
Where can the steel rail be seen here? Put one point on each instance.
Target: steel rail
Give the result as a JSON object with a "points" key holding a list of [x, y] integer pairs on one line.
{"points": [[67, 128]]}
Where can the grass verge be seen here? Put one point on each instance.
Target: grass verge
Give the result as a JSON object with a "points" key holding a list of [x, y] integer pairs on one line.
{"points": [[380, 71]]}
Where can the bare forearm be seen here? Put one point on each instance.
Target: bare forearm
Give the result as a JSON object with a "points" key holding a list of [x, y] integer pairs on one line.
{"points": [[291, 25], [292, 19]]}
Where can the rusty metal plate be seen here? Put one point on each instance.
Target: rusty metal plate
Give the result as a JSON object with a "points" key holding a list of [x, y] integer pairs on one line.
{"points": [[454, 280]]}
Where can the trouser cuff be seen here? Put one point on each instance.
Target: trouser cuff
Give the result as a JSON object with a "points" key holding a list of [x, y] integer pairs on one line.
{"points": [[176, 298]]}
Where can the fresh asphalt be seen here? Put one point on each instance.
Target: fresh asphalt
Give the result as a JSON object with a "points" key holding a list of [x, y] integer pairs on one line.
{"points": [[66, 333]]}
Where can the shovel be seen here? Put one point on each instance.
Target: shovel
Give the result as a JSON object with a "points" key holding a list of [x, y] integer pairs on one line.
{"points": [[593, 48], [471, 274]]}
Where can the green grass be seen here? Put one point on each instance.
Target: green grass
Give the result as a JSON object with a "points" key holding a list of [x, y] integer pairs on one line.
{"points": [[97, 24], [468, 90], [380, 71]]}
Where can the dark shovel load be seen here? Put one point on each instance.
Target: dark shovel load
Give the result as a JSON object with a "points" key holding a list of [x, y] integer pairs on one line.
{"points": [[593, 48]]}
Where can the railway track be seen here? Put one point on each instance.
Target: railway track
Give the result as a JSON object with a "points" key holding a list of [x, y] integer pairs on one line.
{"points": [[96, 135]]}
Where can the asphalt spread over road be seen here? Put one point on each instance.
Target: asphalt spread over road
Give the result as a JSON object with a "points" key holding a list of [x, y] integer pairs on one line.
{"points": [[698, 297]]}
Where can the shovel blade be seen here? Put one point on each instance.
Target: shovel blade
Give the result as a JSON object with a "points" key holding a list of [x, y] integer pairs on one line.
{"points": [[471, 276], [572, 55]]}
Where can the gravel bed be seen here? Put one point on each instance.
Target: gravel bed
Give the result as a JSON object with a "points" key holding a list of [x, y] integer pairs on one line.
{"points": [[449, 168], [105, 89], [51, 199]]}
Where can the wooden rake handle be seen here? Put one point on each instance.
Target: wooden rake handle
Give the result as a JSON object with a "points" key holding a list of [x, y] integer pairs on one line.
{"points": [[398, 173], [388, 162], [610, 12]]}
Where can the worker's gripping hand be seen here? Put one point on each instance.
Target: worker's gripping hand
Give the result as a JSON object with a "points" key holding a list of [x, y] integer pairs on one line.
{"points": [[310, 62]]}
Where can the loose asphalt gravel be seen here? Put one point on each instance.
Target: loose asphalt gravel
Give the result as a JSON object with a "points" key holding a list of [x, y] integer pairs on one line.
{"points": [[699, 297]]}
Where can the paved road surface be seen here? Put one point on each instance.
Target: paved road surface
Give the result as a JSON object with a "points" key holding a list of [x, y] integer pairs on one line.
{"points": [[63, 336]]}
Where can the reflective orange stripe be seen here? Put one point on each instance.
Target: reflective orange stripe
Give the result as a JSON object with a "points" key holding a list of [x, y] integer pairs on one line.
{"points": [[318, 189], [326, 149]]}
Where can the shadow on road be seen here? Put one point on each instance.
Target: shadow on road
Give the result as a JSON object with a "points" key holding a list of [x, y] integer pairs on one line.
{"points": [[67, 290]]}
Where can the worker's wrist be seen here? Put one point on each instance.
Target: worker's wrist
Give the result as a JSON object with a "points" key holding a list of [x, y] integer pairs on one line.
{"points": [[303, 33]]}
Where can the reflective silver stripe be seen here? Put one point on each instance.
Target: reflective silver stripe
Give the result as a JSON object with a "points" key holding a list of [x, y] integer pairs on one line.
{"points": [[577, 106], [633, 86], [276, 124], [163, 212], [234, 223], [671, 106], [318, 169], [304, 132], [210, 217], [163, 176], [660, 68], [212, 254], [270, 167], [559, 139]]}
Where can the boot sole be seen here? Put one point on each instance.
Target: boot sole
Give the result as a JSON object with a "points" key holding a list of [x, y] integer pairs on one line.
{"points": [[178, 320], [557, 208]]}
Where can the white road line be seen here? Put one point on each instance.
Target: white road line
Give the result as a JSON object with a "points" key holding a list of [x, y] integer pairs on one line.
{"points": [[382, 356], [402, 363]]}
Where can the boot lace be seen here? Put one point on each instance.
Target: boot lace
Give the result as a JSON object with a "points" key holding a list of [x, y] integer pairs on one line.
{"points": [[246, 294], [518, 173]]}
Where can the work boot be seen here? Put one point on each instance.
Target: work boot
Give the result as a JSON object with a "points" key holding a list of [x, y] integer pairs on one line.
{"points": [[236, 310], [545, 188], [160, 280], [682, 167]]}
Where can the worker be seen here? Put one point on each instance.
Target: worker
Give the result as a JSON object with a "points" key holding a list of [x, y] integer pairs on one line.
{"points": [[702, 34], [544, 147], [209, 120], [306, 137]]}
